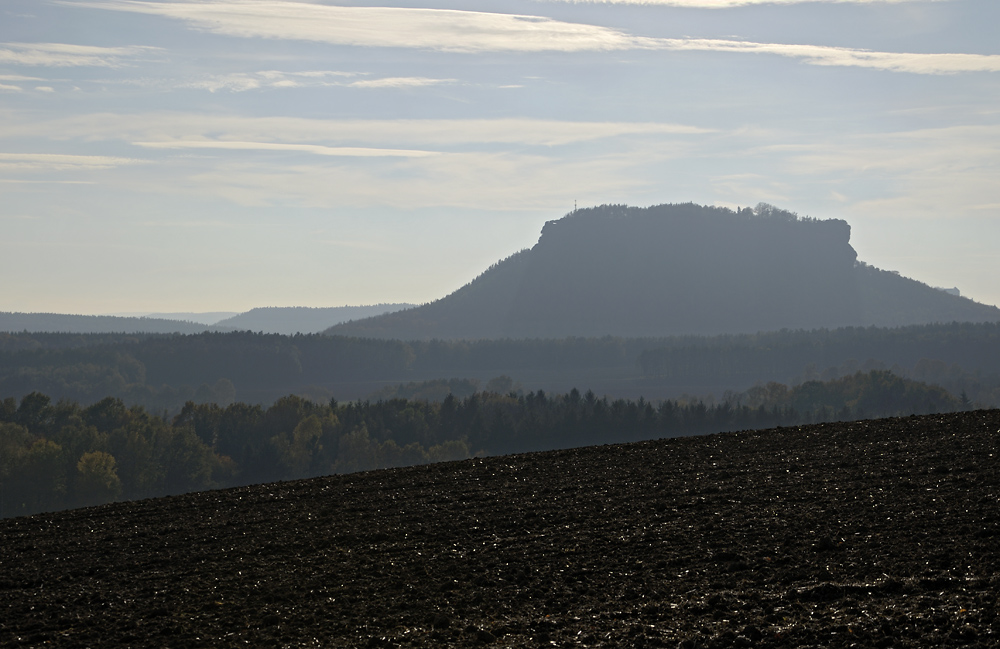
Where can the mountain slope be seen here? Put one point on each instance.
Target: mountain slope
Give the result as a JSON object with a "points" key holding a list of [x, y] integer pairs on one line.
{"points": [[677, 269], [481, 306]]}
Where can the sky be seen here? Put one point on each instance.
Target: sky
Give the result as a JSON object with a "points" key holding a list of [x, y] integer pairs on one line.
{"points": [[224, 155]]}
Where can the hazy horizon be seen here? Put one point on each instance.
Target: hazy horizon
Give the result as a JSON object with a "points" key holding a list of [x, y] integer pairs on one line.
{"points": [[170, 156]]}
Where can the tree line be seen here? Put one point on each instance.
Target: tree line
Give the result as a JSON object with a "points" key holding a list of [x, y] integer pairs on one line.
{"points": [[55, 455]]}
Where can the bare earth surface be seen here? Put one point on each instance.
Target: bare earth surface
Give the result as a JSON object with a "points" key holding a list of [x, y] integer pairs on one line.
{"points": [[872, 534]]}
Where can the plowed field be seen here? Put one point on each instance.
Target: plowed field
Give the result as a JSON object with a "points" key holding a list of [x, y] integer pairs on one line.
{"points": [[878, 533]]}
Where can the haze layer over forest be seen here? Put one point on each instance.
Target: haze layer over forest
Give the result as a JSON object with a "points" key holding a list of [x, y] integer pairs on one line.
{"points": [[163, 372], [674, 270]]}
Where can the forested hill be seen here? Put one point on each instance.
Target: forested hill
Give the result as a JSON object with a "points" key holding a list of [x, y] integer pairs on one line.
{"points": [[675, 270]]}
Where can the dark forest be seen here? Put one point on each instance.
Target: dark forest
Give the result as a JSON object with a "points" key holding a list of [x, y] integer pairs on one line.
{"points": [[163, 372], [59, 455]]}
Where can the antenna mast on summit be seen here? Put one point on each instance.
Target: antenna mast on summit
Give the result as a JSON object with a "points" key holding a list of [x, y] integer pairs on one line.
{"points": [[574, 204]]}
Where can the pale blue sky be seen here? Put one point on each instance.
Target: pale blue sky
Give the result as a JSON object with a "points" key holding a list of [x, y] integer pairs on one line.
{"points": [[179, 156]]}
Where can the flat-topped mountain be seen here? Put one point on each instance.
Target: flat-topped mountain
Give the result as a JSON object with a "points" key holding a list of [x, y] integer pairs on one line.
{"points": [[677, 269]]}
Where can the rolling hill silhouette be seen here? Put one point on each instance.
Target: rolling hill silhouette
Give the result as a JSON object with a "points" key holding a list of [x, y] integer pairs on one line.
{"points": [[676, 269]]}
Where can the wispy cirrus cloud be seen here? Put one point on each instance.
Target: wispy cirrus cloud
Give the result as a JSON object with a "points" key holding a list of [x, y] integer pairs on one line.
{"points": [[388, 133], [434, 29], [45, 181], [727, 4], [917, 63], [929, 174], [236, 82], [953, 151], [400, 82], [403, 162], [60, 162], [473, 32], [316, 149], [273, 79], [68, 55], [244, 81], [465, 180]]}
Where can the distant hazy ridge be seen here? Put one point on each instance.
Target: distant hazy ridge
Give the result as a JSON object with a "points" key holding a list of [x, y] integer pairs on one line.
{"points": [[300, 319], [89, 324], [280, 320], [674, 270]]}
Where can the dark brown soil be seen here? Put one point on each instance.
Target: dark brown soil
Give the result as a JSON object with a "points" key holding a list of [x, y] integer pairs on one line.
{"points": [[871, 534]]}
